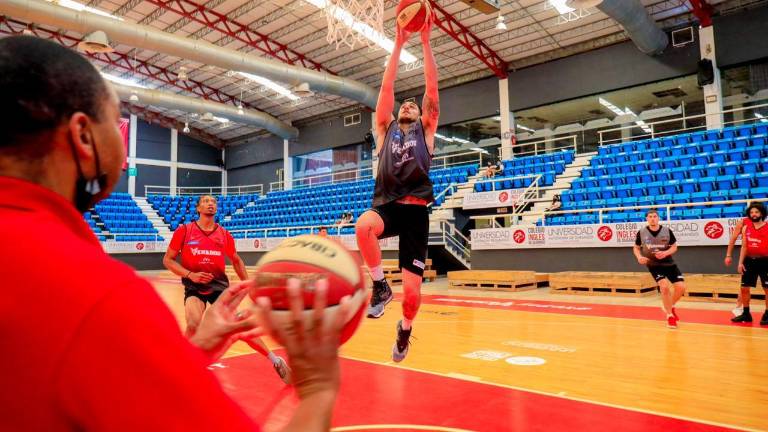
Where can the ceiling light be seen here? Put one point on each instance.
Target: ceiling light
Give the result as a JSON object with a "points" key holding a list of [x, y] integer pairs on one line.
{"points": [[123, 81], [527, 129], [182, 74], [207, 118], [221, 119], [500, 23], [134, 97], [478, 149], [364, 29], [761, 117], [463, 141], [302, 90], [270, 84], [70, 4], [616, 110], [95, 42], [240, 110], [186, 128]]}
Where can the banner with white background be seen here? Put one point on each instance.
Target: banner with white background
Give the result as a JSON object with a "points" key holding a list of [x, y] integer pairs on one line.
{"points": [[497, 198], [699, 232]]}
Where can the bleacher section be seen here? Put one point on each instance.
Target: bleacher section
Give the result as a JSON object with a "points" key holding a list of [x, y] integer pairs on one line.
{"points": [[124, 220], [94, 226], [730, 164], [177, 210], [549, 165], [323, 205]]}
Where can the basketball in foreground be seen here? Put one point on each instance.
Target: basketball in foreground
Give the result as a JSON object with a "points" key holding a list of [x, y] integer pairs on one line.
{"points": [[412, 14], [311, 258]]}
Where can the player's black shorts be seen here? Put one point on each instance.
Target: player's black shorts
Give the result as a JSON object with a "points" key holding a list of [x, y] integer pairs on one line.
{"points": [[411, 223], [208, 297], [754, 267], [670, 272]]}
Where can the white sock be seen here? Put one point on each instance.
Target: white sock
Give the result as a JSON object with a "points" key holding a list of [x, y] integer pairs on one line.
{"points": [[272, 357], [377, 273], [406, 325]]}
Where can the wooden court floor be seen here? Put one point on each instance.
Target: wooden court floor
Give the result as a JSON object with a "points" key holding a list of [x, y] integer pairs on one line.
{"points": [[490, 361]]}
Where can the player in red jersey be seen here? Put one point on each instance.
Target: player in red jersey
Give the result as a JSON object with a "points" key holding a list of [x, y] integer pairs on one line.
{"points": [[203, 245], [753, 259]]}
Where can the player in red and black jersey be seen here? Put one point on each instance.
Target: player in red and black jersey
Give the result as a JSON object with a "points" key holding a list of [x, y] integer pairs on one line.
{"points": [[204, 245], [753, 259]]}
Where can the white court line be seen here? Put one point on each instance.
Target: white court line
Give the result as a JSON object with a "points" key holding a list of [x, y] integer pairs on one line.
{"points": [[561, 396]]}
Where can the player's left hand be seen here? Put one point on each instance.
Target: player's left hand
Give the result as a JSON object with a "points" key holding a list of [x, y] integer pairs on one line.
{"points": [[660, 255], [222, 325], [426, 31], [402, 35]]}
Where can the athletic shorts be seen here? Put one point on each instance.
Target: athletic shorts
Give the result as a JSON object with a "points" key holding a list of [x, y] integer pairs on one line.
{"points": [[208, 297], [754, 267], [411, 223], [671, 272]]}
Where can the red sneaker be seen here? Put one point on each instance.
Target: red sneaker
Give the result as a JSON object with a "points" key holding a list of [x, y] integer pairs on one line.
{"points": [[674, 314], [671, 322]]}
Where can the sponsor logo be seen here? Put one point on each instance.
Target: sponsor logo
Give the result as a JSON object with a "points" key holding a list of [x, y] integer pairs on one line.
{"points": [[193, 242], [519, 236], [256, 243], [491, 235], [418, 264], [525, 361], [139, 246], [197, 251], [503, 197], [714, 230], [605, 233], [571, 231], [539, 346]]}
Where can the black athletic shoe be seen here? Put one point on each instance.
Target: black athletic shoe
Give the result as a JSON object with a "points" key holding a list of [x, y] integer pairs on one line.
{"points": [[744, 317], [400, 349], [382, 295], [764, 319]]}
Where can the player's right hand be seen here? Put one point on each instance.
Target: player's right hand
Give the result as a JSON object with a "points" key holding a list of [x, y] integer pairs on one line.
{"points": [[742, 269], [312, 352], [200, 277], [642, 260], [727, 261]]}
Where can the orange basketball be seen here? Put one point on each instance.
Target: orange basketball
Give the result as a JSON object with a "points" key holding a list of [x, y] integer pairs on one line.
{"points": [[412, 14], [310, 258]]}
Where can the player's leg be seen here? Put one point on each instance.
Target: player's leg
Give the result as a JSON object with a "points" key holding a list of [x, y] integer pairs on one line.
{"points": [[412, 258], [194, 307], [278, 363], [368, 229], [748, 281]]}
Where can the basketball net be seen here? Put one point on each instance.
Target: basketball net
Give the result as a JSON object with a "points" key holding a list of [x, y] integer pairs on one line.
{"points": [[349, 21]]}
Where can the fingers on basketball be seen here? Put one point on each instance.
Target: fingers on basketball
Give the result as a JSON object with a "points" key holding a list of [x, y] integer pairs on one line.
{"points": [[412, 15]]}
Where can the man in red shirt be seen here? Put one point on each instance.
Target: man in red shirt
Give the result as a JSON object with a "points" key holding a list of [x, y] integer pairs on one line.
{"points": [[753, 259], [203, 245], [87, 344]]}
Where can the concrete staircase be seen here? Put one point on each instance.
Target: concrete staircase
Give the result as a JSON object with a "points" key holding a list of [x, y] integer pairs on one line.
{"points": [[562, 183], [157, 222]]}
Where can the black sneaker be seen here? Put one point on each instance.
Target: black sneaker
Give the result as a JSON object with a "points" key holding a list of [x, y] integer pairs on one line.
{"points": [[764, 319], [382, 295], [744, 317], [400, 349]]}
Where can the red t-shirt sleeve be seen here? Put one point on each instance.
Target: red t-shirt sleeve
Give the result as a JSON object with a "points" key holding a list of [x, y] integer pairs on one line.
{"points": [[178, 238], [128, 368], [229, 246]]}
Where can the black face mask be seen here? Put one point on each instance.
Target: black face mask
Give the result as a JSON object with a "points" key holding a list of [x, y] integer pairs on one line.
{"points": [[87, 190]]}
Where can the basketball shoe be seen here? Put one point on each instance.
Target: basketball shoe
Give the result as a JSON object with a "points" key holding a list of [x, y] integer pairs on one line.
{"points": [[382, 295], [400, 348]]}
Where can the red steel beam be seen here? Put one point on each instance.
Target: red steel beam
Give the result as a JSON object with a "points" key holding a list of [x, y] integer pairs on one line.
{"points": [[222, 24], [469, 40], [155, 117], [125, 63], [703, 11]]}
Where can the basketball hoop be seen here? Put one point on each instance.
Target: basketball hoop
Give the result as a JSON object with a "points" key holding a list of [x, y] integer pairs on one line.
{"points": [[354, 21]]}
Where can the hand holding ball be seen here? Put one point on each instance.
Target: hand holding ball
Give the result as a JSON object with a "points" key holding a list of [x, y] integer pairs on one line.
{"points": [[412, 15]]}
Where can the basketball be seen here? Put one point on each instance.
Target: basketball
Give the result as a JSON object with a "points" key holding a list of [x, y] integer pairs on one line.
{"points": [[310, 258], [412, 14]]}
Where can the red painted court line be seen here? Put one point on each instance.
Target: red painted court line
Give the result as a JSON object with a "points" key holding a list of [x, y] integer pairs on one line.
{"points": [[373, 394], [654, 313]]}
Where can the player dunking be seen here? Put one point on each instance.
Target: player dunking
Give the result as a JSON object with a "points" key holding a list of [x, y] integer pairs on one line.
{"points": [[403, 189], [203, 245]]}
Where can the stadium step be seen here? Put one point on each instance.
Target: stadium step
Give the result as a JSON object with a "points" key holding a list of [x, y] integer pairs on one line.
{"points": [[157, 221]]}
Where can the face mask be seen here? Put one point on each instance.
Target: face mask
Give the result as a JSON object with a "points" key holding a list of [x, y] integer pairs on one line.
{"points": [[87, 190]]}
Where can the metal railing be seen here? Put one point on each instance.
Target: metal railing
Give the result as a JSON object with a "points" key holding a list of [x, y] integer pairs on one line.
{"points": [[544, 146], [658, 129], [493, 219], [201, 190], [455, 242]]}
